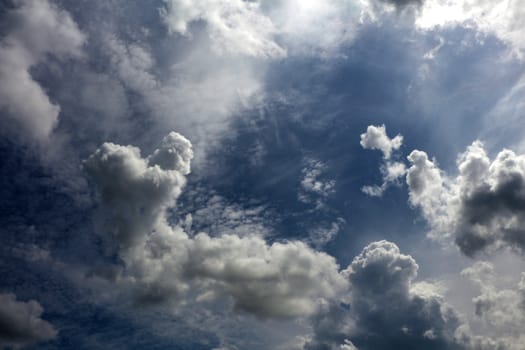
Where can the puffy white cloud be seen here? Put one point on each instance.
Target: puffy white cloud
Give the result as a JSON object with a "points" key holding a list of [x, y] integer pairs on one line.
{"points": [[36, 29], [376, 138], [163, 263], [483, 207], [21, 323], [136, 191]]}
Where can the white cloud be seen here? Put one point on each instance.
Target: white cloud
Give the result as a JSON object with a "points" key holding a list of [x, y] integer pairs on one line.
{"points": [[163, 263], [21, 323], [375, 138], [504, 19], [315, 188], [38, 29]]}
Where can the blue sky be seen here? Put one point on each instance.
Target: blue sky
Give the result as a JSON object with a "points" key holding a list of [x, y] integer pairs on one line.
{"points": [[230, 174]]}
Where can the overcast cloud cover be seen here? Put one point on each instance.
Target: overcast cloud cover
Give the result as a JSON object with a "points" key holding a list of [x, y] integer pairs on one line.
{"points": [[270, 174]]}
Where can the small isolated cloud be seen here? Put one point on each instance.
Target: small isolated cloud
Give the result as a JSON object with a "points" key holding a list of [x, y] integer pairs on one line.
{"points": [[162, 263], [323, 234], [36, 29], [21, 323], [376, 138], [482, 208], [315, 188]]}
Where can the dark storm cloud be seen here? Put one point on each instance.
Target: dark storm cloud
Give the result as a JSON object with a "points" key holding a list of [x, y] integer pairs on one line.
{"points": [[21, 322]]}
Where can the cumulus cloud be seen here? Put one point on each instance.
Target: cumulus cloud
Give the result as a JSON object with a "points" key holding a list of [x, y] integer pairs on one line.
{"points": [[375, 138], [388, 309], [36, 29], [21, 323], [482, 208], [163, 263]]}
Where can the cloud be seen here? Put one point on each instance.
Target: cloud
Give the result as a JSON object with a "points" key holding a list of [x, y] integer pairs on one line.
{"points": [[392, 311], [145, 188], [236, 27], [36, 29], [501, 18], [315, 189], [21, 323], [162, 263], [376, 138], [482, 208], [501, 309], [388, 309]]}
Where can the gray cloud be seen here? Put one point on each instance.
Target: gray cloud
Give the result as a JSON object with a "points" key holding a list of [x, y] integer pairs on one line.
{"points": [[392, 311], [21, 323], [501, 309], [37, 29], [483, 208], [162, 263], [388, 309]]}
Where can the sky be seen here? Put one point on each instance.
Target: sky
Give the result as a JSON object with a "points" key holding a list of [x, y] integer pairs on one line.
{"points": [[262, 174]]}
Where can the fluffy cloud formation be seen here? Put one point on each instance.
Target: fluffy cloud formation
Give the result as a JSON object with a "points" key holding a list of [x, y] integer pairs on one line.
{"points": [[21, 323], [483, 208], [37, 29], [389, 310], [163, 263], [375, 138], [392, 311]]}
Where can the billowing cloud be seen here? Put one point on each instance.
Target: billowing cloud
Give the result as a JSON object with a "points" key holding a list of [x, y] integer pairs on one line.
{"points": [[391, 310], [388, 309], [375, 138], [482, 208], [163, 263], [36, 29], [21, 323]]}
